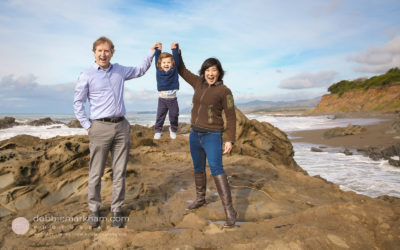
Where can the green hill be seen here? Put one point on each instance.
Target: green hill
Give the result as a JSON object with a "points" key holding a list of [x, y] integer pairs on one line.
{"points": [[393, 75]]}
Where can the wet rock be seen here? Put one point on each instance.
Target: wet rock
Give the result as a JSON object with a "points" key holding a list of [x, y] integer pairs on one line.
{"points": [[43, 122], [378, 153], [393, 150], [314, 149], [394, 163], [349, 130], [394, 128], [347, 152], [8, 122], [55, 127], [74, 124]]}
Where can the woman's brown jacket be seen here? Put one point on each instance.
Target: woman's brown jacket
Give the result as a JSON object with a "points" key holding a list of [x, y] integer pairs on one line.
{"points": [[208, 103]]}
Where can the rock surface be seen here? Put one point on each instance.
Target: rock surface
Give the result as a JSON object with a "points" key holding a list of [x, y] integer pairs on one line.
{"points": [[378, 153], [8, 122], [349, 130], [279, 205], [43, 122], [74, 124]]}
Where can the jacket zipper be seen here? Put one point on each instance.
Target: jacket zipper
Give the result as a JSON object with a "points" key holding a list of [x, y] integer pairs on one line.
{"points": [[201, 98]]}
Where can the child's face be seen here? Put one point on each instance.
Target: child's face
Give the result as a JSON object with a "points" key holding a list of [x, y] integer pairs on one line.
{"points": [[166, 64]]}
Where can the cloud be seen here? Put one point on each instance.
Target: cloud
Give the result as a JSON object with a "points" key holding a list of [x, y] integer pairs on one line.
{"points": [[259, 43], [307, 80], [24, 95], [379, 59], [21, 82]]}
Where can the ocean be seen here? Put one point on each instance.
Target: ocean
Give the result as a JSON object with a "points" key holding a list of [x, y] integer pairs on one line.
{"points": [[351, 172]]}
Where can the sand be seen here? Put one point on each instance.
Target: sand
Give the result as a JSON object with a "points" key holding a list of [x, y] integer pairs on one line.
{"points": [[376, 135]]}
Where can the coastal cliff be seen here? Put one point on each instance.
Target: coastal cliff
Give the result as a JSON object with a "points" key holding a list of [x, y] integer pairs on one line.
{"points": [[378, 94], [376, 99]]}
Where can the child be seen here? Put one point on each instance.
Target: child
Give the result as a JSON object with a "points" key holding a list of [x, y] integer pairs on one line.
{"points": [[167, 85]]}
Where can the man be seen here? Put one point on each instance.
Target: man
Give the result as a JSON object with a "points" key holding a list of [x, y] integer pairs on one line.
{"points": [[103, 86]]}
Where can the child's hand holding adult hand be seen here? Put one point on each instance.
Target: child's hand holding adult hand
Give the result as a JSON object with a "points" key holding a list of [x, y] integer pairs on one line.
{"points": [[174, 45], [156, 45]]}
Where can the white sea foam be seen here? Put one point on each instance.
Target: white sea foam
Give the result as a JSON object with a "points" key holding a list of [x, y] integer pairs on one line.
{"points": [[43, 132], [295, 123], [351, 172]]}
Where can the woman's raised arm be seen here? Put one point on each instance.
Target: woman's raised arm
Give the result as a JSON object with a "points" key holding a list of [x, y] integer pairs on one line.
{"points": [[188, 76]]}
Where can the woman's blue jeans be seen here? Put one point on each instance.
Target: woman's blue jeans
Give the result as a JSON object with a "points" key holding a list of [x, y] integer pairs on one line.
{"points": [[206, 145]]}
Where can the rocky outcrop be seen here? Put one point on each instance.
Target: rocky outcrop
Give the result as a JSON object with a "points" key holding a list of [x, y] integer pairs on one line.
{"points": [[386, 153], [349, 130], [8, 122], [394, 128], [43, 122], [74, 124], [279, 206], [263, 141], [377, 99]]}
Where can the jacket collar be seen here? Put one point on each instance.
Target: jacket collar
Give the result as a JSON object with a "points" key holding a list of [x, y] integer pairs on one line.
{"points": [[215, 84]]}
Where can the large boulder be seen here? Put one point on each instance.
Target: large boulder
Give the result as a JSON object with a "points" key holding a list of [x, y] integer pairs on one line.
{"points": [[43, 122], [263, 141], [74, 124], [349, 130], [8, 122]]}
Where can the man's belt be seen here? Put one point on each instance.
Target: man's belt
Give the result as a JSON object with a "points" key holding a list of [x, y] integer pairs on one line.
{"points": [[111, 119]]}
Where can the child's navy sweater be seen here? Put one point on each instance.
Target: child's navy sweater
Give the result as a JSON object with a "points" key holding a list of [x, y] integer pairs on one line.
{"points": [[168, 80]]}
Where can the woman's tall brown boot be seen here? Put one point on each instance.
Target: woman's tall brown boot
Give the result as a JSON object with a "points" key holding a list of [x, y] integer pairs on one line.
{"points": [[200, 180], [224, 191]]}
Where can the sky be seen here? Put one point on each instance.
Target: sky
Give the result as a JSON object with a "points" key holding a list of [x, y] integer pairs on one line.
{"points": [[270, 50]]}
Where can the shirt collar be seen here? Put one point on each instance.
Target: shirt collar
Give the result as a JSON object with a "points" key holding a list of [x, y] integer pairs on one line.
{"points": [[97, 67]]}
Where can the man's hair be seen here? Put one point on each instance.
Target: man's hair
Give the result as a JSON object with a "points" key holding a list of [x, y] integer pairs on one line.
{"points": [[102, 40], [209, 63], [162, 56]]}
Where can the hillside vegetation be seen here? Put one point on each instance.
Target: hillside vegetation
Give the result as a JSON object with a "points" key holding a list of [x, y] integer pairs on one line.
{"points": [[379, 94], [393, 75]]}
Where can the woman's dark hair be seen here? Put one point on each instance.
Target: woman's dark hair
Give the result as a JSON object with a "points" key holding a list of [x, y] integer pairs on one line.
{"points": [[209, 63]]}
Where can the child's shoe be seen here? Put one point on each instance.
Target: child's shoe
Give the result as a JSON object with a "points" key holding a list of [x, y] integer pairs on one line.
{"points": [[157, 136], [172, 134]]}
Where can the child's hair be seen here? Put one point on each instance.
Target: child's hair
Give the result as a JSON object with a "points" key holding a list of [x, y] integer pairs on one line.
{"points": [[162, 56]]}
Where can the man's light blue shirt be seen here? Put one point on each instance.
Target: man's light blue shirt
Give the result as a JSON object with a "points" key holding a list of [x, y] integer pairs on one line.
{"points": [[104, 89]]}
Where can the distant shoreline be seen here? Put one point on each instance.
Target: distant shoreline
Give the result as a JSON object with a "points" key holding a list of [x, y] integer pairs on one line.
{"points": [[375, 135]]}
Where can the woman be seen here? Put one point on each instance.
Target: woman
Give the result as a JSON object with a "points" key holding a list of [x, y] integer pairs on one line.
{"points": [[210, 97]]}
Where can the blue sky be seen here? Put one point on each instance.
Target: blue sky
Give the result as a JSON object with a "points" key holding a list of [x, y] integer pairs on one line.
{"points": [[270, 50]]}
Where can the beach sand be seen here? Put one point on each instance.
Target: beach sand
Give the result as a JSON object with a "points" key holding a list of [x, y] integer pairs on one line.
{"points": [[376, 135]]}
